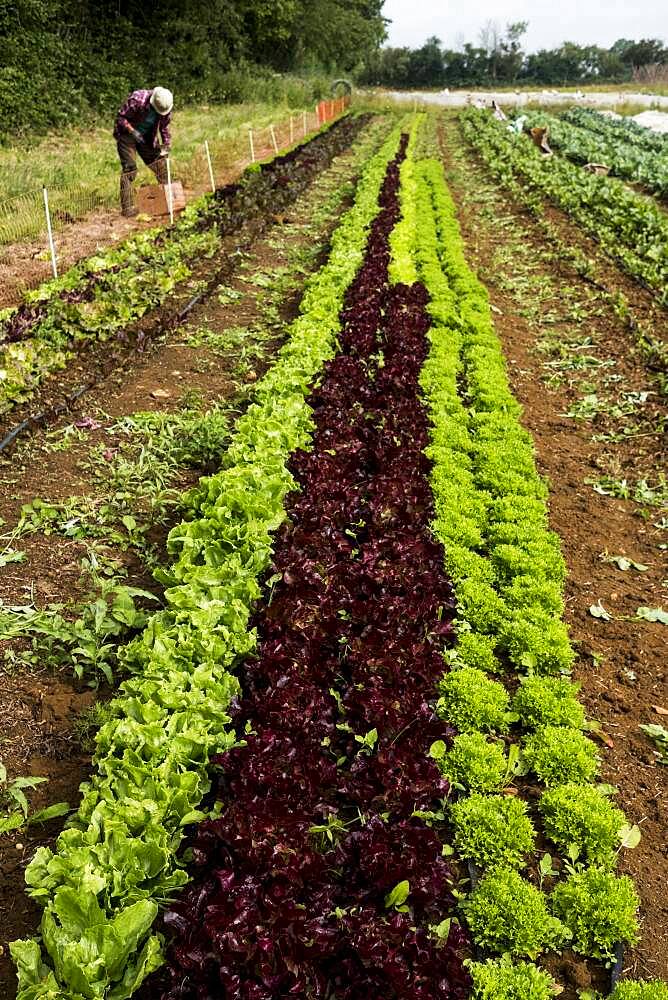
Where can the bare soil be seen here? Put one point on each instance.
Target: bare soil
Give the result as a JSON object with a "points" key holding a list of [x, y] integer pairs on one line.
{"points": [[622, 663]]}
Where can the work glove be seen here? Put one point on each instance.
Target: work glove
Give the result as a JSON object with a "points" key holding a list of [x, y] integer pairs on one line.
{"points": [[137, 136], [164, 153]]}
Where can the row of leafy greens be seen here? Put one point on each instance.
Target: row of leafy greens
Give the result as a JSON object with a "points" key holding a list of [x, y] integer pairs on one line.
{"points": [[491, 516], [117, 860]]}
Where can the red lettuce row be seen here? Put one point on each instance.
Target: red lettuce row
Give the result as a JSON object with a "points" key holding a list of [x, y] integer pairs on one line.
{"points": [[323, 874]]}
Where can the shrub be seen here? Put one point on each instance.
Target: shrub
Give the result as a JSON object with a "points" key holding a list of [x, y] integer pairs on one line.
{"points": [[542, 701], [500, 979], [507, 914], [640, 990], [557, 754], [472, 702], [580, 815], [492, 830], [474, 763], [599, 909]]}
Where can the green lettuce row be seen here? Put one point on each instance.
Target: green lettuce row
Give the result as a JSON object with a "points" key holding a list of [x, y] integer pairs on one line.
{"points": [[491, 517], [117, 860], [628, 226]]}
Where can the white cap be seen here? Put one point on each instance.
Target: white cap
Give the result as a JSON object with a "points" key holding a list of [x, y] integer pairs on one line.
{"points": [[162, 100]]}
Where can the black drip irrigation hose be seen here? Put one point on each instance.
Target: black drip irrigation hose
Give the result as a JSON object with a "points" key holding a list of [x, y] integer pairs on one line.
{"points": [[616, 970], [44, 416]]}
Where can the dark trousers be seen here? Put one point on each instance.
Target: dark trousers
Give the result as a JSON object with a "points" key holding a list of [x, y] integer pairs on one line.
{"points": [[127, 152]]}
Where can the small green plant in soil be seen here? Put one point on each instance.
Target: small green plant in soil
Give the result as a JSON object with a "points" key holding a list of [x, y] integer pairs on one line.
{"points": [[599, 909], [640, 990], [492, 830], [88, 643], [474, 763], [557, 754], [502, 979], [472, 702], [541, 701], [581, 820], [659, 737], [14, 805], [508, 915]]}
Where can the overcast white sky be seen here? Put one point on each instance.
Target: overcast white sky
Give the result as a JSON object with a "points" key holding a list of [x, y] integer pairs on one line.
{"points": [[588, 22]]}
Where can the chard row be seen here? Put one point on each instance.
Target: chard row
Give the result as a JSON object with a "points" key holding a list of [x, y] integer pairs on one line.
{"points": [[491, 517], [117, 860]]}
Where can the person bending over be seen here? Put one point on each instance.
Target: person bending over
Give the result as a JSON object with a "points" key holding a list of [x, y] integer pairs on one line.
{"points": [[140, 124]]}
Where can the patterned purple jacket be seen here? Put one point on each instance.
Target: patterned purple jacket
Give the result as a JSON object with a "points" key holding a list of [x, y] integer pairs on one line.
{"points": [[134, 111]]}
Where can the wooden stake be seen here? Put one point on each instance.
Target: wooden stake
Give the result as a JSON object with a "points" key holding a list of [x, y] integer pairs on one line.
{"points": [[273, 139], [208, 160], [170, 195], [252, 147], [292, 131], [52, 248], [304, 123]]}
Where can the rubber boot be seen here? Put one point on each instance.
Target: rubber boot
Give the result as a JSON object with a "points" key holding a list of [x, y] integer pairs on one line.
{"points": [[128, 207]]}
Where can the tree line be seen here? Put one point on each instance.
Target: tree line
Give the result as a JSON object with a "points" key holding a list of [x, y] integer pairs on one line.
{"points": [[63, 60], [499, 59]]}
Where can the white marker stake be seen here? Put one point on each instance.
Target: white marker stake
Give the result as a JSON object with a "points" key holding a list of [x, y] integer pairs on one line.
{"points": [[54, 262], [170, 196], [273, 139], [252, 147], [208, 160], [304, 123]]}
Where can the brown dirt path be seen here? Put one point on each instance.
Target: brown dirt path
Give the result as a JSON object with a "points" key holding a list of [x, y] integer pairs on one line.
{"points": [[546, 314]]}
